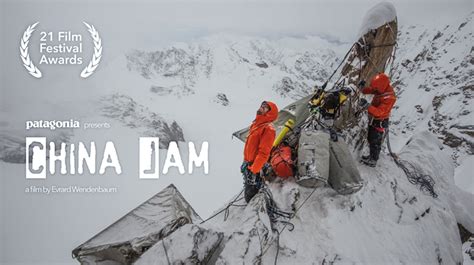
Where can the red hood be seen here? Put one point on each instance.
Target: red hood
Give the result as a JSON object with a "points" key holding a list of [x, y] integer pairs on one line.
{"points": [[270, 116]]}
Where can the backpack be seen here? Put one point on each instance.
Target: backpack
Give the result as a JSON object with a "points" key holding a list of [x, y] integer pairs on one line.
{"points": [[329, 102], [281, 161]]}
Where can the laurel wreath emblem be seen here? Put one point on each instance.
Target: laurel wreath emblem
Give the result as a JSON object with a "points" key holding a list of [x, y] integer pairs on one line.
{"points": [[24, 54], [34, 71], [90, 68]]}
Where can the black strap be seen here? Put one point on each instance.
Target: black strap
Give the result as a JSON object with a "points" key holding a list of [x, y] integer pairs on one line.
{"points": [[379, 123]]}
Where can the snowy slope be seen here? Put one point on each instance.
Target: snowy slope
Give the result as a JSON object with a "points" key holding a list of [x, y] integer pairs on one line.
{"points": [[389, 221], [434, 79]]}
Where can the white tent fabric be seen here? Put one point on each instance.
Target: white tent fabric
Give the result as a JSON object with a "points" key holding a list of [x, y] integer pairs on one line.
{"points": [[126, 239]]}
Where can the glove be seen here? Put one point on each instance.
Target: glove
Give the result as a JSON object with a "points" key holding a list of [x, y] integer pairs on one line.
{"points": [[333, 135], [361, 84], [244, 167]]}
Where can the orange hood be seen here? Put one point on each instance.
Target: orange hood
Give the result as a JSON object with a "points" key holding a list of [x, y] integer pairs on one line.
{"points": [[270, 116]]}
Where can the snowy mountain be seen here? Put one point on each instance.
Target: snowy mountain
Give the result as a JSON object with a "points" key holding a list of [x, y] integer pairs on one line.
{"points": [[434, 78], [389, 220], [136, 116], [433, 75], [177, 70]]}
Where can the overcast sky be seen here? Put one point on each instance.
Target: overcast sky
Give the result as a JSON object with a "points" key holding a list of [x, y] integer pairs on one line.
{"points": [[130, 22]]}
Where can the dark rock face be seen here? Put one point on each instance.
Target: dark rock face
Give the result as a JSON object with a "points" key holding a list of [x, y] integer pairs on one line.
{"points": [[222, 99], [262, 65], [287, 87], [160, 90], [131, 114], [464, 233], [316, 66]]}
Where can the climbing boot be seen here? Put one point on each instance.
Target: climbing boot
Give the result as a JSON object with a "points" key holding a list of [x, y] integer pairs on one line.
{"points": [[250, 191], [367, 160]]}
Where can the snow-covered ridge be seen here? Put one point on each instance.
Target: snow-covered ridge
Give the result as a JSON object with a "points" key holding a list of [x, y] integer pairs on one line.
{"points": [[394, 219], [434, 79]]}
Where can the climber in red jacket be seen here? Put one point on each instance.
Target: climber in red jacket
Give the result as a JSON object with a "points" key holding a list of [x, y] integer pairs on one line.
{"points": [[258, 147], [379, 113]]}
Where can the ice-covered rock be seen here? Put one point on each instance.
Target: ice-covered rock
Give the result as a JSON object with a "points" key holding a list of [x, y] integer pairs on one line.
{"points": [[468, 251], [251, 230], [190, 244]]}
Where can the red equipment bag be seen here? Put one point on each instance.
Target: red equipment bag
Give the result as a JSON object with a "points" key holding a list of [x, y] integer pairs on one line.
{"points": [[281, 161]]}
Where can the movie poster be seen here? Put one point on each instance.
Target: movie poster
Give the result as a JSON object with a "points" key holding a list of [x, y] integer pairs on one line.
{"points": [[236, 132]]}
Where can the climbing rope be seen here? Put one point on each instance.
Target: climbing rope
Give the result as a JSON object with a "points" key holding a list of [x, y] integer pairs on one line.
{"points": [[365, 57], [166, 252], [284, 226], [367, 48], [340, 64], [392, 57], [414, 176], [278, 247], [274, 213], [226, 209]]}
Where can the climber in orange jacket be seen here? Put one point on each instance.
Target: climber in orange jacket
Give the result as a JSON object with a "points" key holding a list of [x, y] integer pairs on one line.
{"points": [[258, 147], [379, 113]]}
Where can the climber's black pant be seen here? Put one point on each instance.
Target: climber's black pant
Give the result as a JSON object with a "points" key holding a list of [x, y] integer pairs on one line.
{"points": [[252, 182], [375, 136], [252, 186]]}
